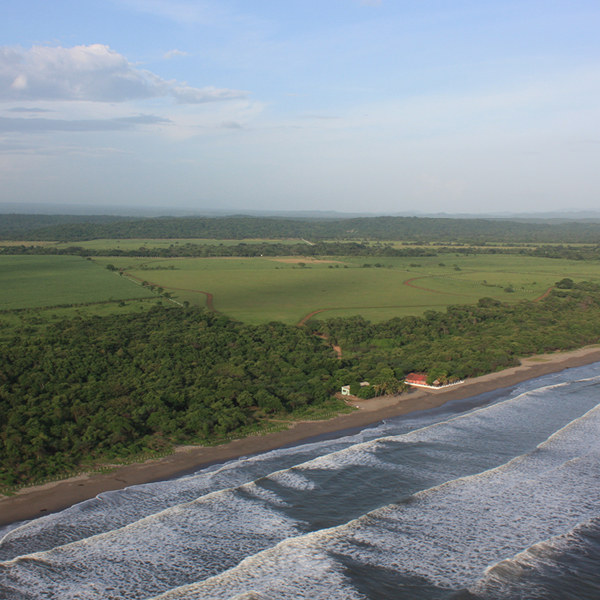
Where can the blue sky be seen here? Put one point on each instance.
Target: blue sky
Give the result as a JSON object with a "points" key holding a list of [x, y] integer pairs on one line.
{"points": [[347, 105]]}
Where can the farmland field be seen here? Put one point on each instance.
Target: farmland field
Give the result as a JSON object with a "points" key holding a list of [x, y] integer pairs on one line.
{"points": [[258, 290], [38, 281]]}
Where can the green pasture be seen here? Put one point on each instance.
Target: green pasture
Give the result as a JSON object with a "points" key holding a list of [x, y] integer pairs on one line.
{"points": [[38, 281], [258, 290]]}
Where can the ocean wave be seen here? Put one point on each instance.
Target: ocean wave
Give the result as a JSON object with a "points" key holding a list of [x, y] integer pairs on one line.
{"points": [[183, 543], [564, 567], [444, 537]]}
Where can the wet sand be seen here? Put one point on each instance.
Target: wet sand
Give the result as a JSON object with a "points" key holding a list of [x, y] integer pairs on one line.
{"points": [[33, 502]]}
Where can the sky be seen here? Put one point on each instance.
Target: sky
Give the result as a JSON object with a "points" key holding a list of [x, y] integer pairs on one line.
{"points": [[349, 105]]}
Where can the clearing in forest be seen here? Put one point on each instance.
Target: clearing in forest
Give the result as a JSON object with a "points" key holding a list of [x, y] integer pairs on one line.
{"points": [[259, 290]]}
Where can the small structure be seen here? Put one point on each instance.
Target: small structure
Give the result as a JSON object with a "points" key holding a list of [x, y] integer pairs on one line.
{"points": [[364, 384], [420, 380], [345, 390], [416, 379]]}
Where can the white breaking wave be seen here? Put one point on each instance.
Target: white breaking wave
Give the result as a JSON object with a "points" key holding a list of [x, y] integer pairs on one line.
{"points": [[187, 542], [516, 574], [447, 536], [114, 510]]}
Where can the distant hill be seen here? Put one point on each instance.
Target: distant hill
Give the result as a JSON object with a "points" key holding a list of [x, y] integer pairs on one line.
{"points": [[16, 224], [69, 228], [146, 212]]}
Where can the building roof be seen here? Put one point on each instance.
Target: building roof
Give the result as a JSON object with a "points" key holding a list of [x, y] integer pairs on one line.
{"points": [[416, 378]]}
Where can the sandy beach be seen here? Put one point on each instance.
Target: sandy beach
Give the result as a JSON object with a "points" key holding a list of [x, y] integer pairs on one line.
{"points": [[33, 502]]}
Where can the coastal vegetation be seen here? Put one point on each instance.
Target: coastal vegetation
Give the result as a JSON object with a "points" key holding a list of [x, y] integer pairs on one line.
{"points": [[88, 389], [123, 384]]}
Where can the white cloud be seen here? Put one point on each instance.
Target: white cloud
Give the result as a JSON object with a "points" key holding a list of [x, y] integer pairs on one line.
{"points": [[173, 54], [92, 73]]}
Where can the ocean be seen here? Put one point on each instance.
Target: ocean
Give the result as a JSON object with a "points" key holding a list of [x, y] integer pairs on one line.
{"points": [[497, 497]]}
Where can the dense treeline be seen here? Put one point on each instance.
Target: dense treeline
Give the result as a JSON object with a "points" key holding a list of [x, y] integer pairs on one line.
{"points": [[374, 228], [15, 224], [241, 250], [100, 387], [191, 250], [567, 252]]}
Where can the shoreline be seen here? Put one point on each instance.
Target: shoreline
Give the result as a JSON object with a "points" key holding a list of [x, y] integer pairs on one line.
{"points": [[32, 502]]}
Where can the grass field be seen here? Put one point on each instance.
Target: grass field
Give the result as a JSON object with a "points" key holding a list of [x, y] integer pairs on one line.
{"points": [[258, 290], [39, 281]]}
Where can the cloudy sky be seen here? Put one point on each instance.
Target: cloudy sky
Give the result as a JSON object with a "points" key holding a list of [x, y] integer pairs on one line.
{"points": [[347, 105]]}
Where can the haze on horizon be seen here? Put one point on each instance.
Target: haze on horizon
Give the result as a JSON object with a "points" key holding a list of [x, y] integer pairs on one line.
{"points": [[347, 105]]}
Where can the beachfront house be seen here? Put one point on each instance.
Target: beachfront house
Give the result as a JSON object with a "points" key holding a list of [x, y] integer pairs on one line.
{"points": [[420, 380], [416, 379]]}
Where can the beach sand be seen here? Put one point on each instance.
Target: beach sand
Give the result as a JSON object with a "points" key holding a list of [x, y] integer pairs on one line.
{"points": [[33, 502]]}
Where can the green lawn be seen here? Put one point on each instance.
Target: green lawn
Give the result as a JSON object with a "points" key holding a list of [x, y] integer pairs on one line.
{"points": [[38, 281]]}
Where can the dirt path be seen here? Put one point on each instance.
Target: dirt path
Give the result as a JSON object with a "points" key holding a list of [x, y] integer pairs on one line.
{"points": [[209, 296], [312, 314], [544, 294], [409, 284], [325, 337]]}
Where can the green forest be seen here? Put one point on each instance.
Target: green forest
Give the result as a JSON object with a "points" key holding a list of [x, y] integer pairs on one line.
{"points": [[318, 249], [416, 229], [84, 389]]}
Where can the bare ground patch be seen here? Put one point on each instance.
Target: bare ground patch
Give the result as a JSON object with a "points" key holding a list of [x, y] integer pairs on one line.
{"points": [[314, 261]]}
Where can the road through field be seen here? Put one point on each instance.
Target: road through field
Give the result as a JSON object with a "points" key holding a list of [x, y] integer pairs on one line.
{"points": [[407, 282]]}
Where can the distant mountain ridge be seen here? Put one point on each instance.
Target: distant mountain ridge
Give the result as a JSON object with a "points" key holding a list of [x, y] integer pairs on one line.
{"points": [[140, 212]]}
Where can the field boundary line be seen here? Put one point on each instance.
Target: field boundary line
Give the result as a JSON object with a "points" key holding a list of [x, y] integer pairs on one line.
{"points": [[209, 296], [315, 312]]}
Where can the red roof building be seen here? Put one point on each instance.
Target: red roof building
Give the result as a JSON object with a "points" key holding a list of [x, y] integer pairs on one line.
{"points": [[416, 379]]}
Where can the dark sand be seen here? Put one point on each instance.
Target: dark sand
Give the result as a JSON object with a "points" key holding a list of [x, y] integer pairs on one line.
{"points": [[33, 502]]}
